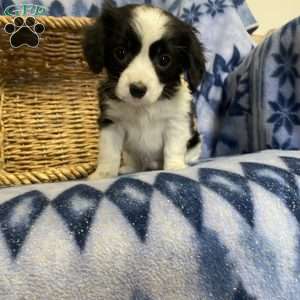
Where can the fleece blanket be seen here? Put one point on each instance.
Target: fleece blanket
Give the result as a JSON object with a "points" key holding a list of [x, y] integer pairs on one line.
{"points": [[260, 107], [223, 229]]}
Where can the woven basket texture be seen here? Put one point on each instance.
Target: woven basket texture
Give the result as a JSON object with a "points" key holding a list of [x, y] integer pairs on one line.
{"points": [[48, 106]]}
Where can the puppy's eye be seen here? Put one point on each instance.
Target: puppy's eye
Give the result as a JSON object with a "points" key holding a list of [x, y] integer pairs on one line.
{"points": [[164, 60], [120, 53]]}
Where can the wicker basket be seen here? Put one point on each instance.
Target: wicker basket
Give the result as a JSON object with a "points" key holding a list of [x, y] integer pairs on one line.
{"points": [[48, 106]]}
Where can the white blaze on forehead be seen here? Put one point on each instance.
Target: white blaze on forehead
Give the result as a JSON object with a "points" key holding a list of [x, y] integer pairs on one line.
{"points": [[150, 24]]}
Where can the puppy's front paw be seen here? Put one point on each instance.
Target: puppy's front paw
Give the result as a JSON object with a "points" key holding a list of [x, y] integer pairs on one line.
{"points": [[127, 170], [174, 165], [102, 173]]}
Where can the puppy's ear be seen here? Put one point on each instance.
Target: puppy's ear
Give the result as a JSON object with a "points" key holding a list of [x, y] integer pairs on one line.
{"points": [[93, 45], [95, 36], [196, 61]]}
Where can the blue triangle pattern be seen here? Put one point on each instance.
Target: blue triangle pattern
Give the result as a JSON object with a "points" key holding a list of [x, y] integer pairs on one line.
{"points": [[215, 263], [276, 180], [132, 197], [241, 294], [293, 164], [79, 8], [138, 295], [232, 187], [184, 194], [93, 11], [56, 9], [77, 207], [17, 217]]}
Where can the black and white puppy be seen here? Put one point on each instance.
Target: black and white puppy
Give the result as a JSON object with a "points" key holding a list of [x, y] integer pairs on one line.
{"points": [[146, 105]]}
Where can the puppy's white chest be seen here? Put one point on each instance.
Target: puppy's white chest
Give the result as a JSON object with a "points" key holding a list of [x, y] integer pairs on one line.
{"points": [[146, 129], [144, 138]]}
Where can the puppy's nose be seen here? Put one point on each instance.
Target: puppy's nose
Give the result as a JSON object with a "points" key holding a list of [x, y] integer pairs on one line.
{"points": [[137, 89]]}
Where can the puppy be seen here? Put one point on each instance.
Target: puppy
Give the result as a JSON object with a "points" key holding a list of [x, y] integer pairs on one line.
{"points": [[146, 105]]}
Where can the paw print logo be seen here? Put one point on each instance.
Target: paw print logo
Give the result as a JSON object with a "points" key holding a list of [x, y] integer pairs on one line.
{"points": [[24, 32]]}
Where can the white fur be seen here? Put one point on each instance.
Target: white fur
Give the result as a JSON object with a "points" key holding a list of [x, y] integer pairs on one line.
{"points": [[152, 136], [149, 23]]}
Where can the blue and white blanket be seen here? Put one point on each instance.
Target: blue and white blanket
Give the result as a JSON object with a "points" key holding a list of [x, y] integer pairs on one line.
{"points": [[226, 229], [223, 229]]}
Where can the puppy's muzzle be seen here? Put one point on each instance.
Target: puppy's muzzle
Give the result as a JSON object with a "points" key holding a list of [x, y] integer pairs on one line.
{"points": [[137, 90]]}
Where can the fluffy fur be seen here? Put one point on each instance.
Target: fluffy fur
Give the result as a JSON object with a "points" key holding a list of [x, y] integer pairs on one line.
{"points": [[146, 106]]}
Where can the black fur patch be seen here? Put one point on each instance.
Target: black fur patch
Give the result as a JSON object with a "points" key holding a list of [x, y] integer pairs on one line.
{"points": [[195, 139], [189, 51], [105, 122], [106, 93], [114, 29]]}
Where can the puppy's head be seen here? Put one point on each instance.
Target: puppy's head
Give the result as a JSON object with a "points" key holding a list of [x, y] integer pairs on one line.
{"points": [[144, 50]]}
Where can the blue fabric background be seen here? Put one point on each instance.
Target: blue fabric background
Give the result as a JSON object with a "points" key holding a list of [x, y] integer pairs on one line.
{"points": [[249, 98]]}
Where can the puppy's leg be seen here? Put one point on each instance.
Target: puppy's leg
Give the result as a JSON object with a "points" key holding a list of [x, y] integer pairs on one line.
{"points": [[110, 148], [130, 165], [175, 141]]}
